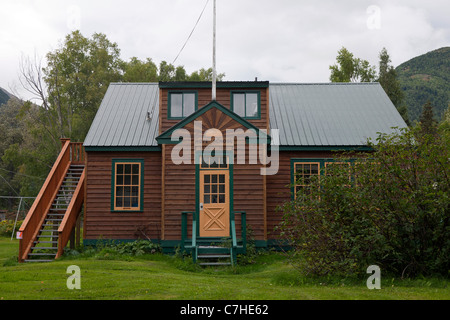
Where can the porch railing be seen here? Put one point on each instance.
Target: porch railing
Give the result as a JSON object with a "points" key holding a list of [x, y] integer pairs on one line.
{"points": [[193, 243]]}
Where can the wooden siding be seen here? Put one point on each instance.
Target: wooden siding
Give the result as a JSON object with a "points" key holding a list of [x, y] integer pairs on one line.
{"points": [[278, 186], [100, 221], [204, 97], [180, 185]]}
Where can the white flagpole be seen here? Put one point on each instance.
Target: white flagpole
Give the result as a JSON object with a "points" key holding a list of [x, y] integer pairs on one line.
{"points": [[214, 75]]}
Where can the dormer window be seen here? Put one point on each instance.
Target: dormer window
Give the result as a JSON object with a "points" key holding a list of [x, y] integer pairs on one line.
{"points": [[246, 104], [181, 104]]}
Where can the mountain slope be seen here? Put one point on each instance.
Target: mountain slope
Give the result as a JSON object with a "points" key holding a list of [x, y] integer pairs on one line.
{"points": [[4, 96], [424, 78]]}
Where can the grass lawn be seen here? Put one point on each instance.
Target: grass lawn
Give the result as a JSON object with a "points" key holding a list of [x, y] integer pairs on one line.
{"points": [[160, 277]]}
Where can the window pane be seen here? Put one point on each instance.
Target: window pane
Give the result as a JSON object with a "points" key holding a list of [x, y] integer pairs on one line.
{"points": [[206, 179], [222, 198], [135, 191], [207, 189], [214, 178], [135, 169], [214, 188], [307, 169], [119, 191], [119, 202], [251, 105], [205, 163], [314, 169], [214, 162], [127, 192], [119, 168], [214, 198], [127, 180], [120, 179], [126, 202], [127, 168], [189, 104], [222, 188], [206, 199], [135, 180], [221, 178], [134, 202], [176, 105], [239, 104]]}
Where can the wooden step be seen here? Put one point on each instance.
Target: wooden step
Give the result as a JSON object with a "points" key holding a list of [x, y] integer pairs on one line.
{"points": [[215, 263], [41, 254]]}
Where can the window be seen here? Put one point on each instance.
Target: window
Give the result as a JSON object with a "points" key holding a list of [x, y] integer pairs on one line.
{"points": [[220, 162], [127, 185], [214, 188], [246, 104], [182, 104], [303, 173], [342, 168]]}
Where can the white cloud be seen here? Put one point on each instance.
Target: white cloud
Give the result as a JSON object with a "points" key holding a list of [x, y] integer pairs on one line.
{"points": [[284, 40]]}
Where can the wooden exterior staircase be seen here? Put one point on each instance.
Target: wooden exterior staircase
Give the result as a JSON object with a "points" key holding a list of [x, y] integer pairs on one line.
{"points": [[51, 221]]}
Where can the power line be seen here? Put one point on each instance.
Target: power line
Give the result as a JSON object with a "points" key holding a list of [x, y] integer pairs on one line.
{"points": [[25, 175], [191, 32]]}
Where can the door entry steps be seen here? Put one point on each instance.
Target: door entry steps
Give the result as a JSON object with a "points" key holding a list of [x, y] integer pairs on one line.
{"points": [[214, 252], [213, 256]]}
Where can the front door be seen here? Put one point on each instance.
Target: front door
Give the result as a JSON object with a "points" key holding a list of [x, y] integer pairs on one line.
{"points": [[214, 213]]}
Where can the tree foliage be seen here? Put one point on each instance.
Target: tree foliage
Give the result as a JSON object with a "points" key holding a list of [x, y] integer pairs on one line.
{"points": [[66, 93], [351, 69], [389, 208], [426, 78]]}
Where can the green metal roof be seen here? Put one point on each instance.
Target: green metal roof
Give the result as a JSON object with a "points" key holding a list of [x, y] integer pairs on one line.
{"points": [[330, 114], [127, 117], [306, 115]]}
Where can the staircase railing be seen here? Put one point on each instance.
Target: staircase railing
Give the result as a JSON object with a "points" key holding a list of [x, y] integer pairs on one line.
{"points": [[193, 246], [234, 245], [234, 241], [71, 215], [36, 215], [243, 229]]}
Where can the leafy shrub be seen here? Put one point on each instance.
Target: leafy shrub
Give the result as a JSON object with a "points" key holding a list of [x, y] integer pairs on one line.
{"points": [[392, 212], [7, 226]]}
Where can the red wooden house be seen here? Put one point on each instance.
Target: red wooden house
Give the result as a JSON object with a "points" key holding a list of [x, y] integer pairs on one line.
{"points": [[164, 162]]}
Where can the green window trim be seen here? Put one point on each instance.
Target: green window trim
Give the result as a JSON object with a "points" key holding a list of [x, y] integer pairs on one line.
{"points": [[136, 181], [170, 94], [322, 164], [245, 93]]}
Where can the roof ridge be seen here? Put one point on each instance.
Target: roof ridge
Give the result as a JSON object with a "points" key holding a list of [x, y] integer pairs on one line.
{"points": [[322, 83]]}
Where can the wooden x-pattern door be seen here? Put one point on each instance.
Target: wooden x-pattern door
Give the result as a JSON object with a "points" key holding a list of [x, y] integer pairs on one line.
{"points": [[214, 210]]}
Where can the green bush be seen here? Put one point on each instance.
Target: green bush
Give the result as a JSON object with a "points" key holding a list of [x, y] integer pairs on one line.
{"points": [[393, 211], [7, 226]]}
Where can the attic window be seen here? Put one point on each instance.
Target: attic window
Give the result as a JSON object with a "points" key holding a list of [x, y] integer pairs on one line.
{"points": [[246, 104], [181, 104]]}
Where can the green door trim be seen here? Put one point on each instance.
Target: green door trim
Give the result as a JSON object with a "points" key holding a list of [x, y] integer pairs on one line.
{"points": [[228, 153]]}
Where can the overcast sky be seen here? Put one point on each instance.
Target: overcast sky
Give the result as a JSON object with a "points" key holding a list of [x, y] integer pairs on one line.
{"points": [[278, 41]]}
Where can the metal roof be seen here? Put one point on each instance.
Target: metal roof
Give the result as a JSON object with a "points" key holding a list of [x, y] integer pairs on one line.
{"points": [[122, 118], [328, 114]]}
